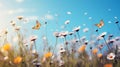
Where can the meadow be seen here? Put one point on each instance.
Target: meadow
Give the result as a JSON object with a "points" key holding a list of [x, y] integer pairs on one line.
{"points": [[76, 51]]}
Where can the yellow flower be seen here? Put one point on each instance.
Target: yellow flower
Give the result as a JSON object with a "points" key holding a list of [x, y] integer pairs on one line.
{"points": [[99, 55], [108, 65], [82, 48], [48, 55], [17, 60], [94, 51], [6, 47]]}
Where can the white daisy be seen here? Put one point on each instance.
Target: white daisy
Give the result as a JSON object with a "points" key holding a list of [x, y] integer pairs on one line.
{"points": [[56, 34], [17, 28], [76, 29], [20, 17], [111, 56], [103, 34], [85, 29], [33, 38], [13, 23], [65, 33], [67, 21]]}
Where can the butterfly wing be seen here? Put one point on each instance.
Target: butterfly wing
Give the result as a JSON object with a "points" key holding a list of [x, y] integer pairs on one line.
{"points": [[98, 25], [101, 23], [37, 26]]}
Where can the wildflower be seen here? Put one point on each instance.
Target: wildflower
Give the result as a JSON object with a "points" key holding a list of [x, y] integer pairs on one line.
{"points": [[67, 21], [108, 65], [61, 63], [74, 41], [20, 17], [62, 50], [76, 29], [99, 38], [64, 34], [112, 41], [70, 33], [56, 34], [111, 56], [48, 55], [5, 31], [12, 23], [82, 48], [6, 47], [33, 38], [85, 29], [17, 28], [83, 38], [111, 35], [18, 60], [86, 42], [117, 38], [94, 51], [103, 34], [99, 55], [25, 42]]}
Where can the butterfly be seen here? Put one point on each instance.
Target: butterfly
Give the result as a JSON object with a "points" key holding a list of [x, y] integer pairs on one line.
{"points": [[101, 24], [37, 26]]}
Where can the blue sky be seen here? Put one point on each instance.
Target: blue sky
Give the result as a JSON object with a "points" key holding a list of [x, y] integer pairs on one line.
{"points": [[84, 13]]}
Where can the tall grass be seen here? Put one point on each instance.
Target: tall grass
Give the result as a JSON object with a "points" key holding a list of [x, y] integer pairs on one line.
{"points": [[74, 53]]}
